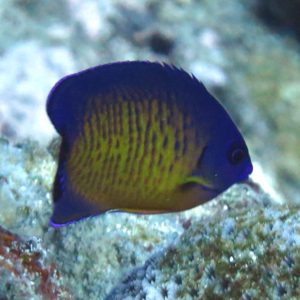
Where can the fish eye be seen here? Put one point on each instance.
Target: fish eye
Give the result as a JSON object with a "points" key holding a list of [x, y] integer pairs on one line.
{"points": [[235, 154]]}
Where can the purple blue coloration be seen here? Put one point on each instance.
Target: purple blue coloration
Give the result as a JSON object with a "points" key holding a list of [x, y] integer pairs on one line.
{"points": [[140, 137]]}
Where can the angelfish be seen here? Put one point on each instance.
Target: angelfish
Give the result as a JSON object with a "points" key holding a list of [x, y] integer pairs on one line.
{"points": [[141, 137]]}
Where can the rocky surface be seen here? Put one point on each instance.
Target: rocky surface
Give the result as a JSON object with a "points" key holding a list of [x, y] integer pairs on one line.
{"points": [[26, 175], [248, 252], [25, 272]]}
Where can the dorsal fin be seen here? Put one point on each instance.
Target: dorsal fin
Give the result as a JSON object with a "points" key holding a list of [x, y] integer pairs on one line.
{"points": [[69, 95]]}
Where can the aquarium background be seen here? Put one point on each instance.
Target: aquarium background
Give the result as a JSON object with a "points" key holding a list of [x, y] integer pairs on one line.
{"points": [[247, 54]]}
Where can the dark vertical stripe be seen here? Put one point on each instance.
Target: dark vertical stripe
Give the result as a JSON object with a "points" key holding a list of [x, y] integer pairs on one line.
{"points": [[110, 124], [130, 127], [160, 117], [113, 111], [106, 136], [91, 134], [141, 132], [112, 147], [177, 144], [116, 169], [138, 115], [82, 121], [147, 129], [165, 142], [132, 155], [98, 135], [89, 138], [185, 144]]}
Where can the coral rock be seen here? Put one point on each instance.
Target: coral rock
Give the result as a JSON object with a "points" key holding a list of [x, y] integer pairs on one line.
{"points": [[23, 262]]}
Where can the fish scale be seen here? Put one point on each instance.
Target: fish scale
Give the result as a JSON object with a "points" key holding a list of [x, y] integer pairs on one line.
{"points": [[131, 127]]}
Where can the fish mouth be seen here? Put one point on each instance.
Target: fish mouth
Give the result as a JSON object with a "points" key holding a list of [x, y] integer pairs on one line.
{"points": [[243, 178], [244, 175]]}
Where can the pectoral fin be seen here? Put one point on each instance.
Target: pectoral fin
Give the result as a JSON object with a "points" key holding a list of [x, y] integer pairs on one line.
{"points": [[192, 181]]}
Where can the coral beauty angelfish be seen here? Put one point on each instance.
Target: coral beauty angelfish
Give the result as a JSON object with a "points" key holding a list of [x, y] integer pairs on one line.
{"points": [[140, 137]]}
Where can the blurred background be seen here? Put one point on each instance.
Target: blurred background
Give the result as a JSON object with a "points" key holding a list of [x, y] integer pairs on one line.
{"points": [[245, 51]]}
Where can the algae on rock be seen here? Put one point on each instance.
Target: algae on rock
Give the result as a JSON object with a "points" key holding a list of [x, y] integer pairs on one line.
{"points": [[249, 252]]}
